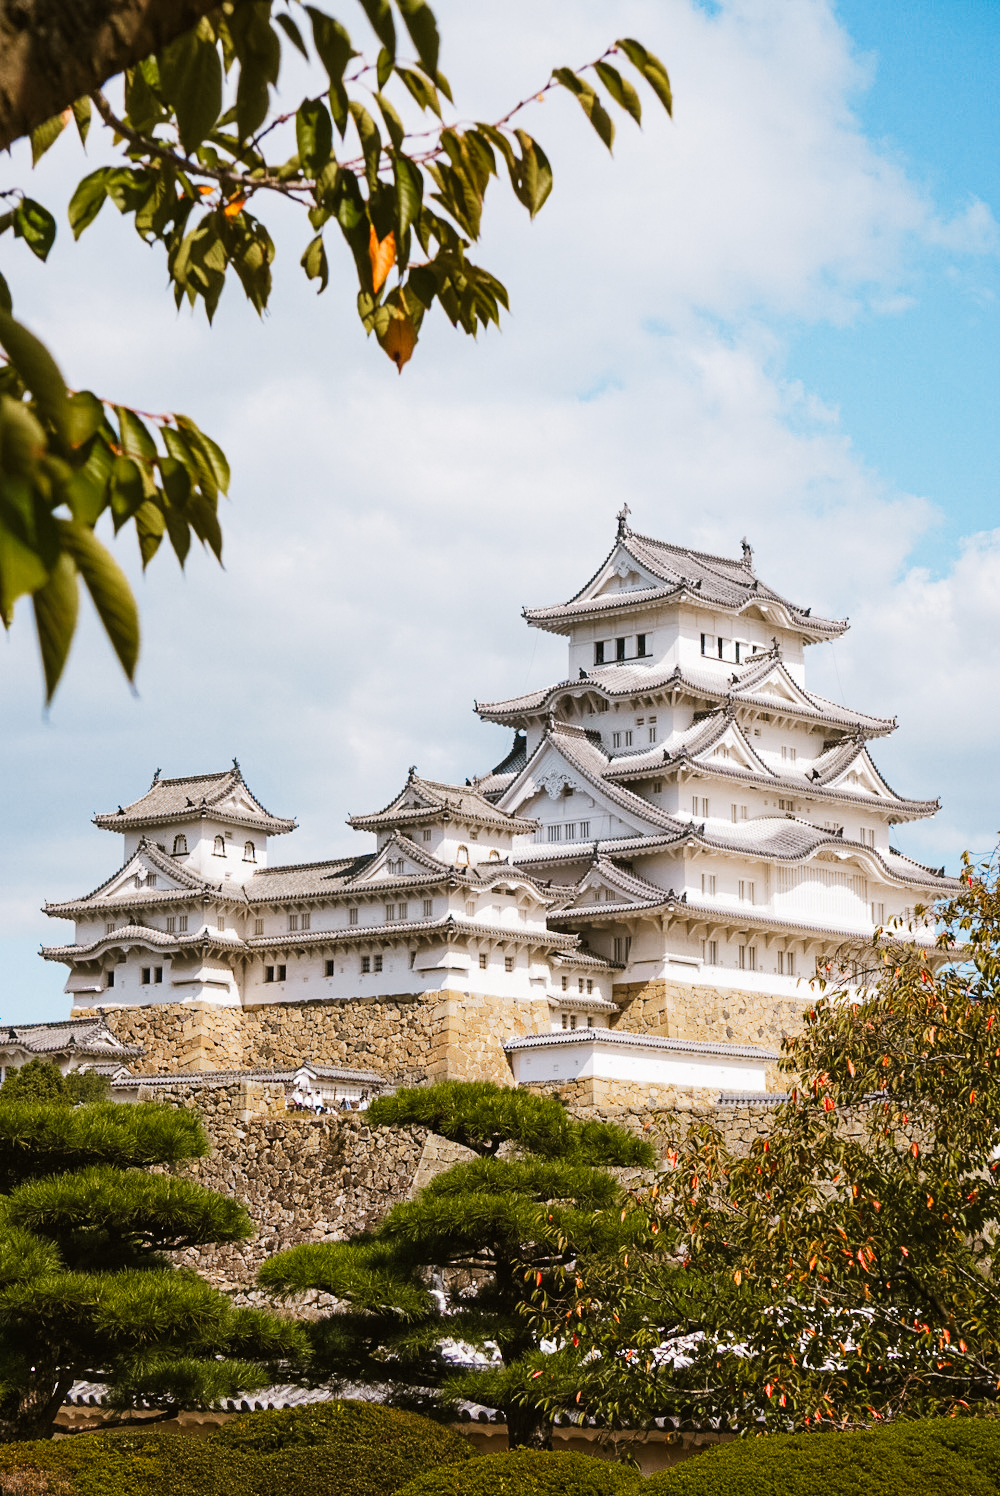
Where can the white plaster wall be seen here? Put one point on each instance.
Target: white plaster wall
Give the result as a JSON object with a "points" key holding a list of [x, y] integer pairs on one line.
{"points": [[569, 1061]]}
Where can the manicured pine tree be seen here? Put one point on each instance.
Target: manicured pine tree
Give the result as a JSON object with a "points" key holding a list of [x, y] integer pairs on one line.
{"points": [[454, 1268], [87, 1290]]}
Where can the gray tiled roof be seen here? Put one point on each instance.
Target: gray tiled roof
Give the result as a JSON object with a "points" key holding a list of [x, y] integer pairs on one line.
{"points": [[711, 581], [202, 1079], [641, 1041], [189, 884], [88, 1036], [172, 800], [422, 801]]}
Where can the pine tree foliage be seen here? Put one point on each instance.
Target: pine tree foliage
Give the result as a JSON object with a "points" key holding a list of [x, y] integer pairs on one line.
{"points": [[844, 1272], [437, 1297], [86, 1288]]}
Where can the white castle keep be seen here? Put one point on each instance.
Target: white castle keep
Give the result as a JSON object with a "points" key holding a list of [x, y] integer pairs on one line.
{"points": [[681, 833]]}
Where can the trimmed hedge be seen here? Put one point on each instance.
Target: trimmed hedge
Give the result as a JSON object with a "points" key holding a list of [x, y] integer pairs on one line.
{"points": [[935, 1457], [325, 1449], [529, 1472]]}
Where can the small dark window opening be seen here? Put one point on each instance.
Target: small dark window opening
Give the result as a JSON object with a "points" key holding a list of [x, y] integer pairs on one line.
{"points": [[640, 646], [599, 652], [110, 979], [157, 974], [219, 849], [619, 649], [281, 973], [378, 962], [268, 973], [144, 978], [329, 968], [366, 964]]}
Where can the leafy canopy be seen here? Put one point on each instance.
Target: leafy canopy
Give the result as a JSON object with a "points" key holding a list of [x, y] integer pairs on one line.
{"points": [[374, 157]]}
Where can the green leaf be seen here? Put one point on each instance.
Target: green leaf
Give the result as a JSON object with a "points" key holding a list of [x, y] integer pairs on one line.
{"points": [[213, 453], [36, 226], [150, 525], [45, 135], [191, 81], [56, 606], [205, 523], [85, 416], [293, 33], [82, 114], [38, 370], [333, 45], [421, 90], [534, 179], [6, 300], [314, 135], [109, 590], [409, 192], [379, 13], [143, 109], [177, 527], [88, 199], [393, 124], [420, 23], [135, 438], [589, 102], [127, 490], [314, 263], [177, 482], [383, 68], [371, 141], [651, 68], [620, 90]]}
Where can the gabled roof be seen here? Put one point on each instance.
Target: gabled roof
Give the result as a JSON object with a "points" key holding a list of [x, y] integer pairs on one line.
{"points": [[82, 1036], [640, 571], [422, 802], [744, 686], [222, 797], [146, 856], [604, 873]]}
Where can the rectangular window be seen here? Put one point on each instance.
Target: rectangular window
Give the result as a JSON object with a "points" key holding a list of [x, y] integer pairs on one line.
{"points": [[788, 805], [280, 973], [404, 911], [258, 927], [221, 922], [305, 922], [708, 645], [110, 979], [171, 924], [565, 984], [584, 830], [157, 974], [738, 812], [878, 914], [329, 968], [652, 734], [144, 977], [366, 965], [616, 740], [109, 927], [640, 646], [428, 908], [628, 739], [413, 959], [747, 890], [470, 908], [268, 973], [352, 916], [834, 827], [708, 884], [555, 833], [427, 833], [868, 837], [786, 963], [570, 831], [150, 880], [390, 913], [590, 985], [508, 963], [788, 755], [619, 649], [378, 962], [623, 945], [293, 922], [565, 1020], [579, 984], [484, 960], [599, 652], [712, 952], [182, 923], [748, 958]]}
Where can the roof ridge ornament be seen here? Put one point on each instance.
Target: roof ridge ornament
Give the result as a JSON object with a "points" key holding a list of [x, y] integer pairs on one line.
{"points": [[747, 553], [622, 517]]}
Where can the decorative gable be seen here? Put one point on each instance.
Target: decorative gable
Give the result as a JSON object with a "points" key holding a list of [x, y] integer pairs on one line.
{"points": [[732, 751]]}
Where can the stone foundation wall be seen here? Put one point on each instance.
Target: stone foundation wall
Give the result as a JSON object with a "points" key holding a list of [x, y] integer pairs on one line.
{"points": [[407, 1039]]}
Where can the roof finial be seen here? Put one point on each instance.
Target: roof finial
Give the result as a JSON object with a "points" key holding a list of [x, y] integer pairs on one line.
{"points": [[236, 765], [623, 515], [413, 772], [747, 553], [156, 777]]}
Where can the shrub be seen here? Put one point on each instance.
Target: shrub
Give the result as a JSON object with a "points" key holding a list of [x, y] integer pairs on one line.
{"points": [[325, 1449], [529, 1472], [937, 1457]]}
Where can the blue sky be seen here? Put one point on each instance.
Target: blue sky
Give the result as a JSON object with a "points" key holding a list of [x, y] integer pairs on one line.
{"points": [[775, 316]]}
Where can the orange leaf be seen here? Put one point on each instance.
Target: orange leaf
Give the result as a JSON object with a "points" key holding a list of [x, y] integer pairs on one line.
{"points": [[535, 1374], [400, 341], [850, 1067], [382, 253], [234, 207], [205, 191]]}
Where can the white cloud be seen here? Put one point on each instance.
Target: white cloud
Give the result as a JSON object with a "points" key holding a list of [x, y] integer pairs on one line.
{"points": [[385, 532]]}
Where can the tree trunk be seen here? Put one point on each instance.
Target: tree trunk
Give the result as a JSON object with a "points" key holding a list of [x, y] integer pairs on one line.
{"points": [[31, 1412], [55, 51], [528, 1428]]}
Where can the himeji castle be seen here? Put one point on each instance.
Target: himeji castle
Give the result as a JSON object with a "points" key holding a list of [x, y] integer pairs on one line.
{"points": [[680, 837]]}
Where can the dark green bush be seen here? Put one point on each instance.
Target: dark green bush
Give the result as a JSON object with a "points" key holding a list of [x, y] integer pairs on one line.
{"points": [[326, 1449], [935, 1457], [529, 1472]]}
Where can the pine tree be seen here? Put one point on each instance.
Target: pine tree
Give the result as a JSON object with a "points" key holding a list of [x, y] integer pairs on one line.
{"points": [[87, 1291], [452, 1270]]}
